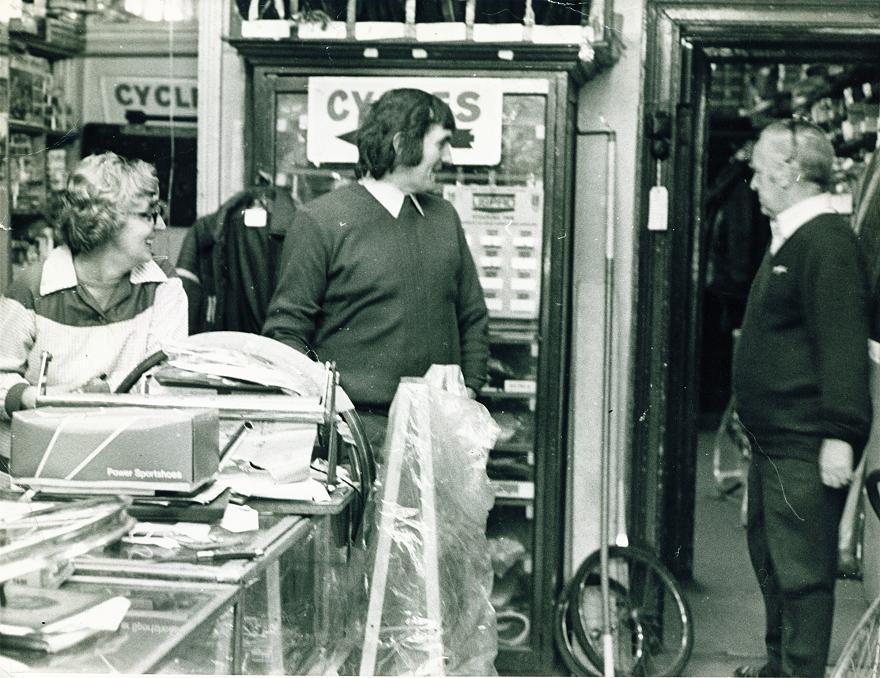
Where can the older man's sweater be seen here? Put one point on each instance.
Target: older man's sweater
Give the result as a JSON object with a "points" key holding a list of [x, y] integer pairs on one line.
{"points": [[800, 368]]}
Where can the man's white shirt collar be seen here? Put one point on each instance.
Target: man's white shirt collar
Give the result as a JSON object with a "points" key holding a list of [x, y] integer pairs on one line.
{"points": [[790, 220], [59, 273], [388, 195]]}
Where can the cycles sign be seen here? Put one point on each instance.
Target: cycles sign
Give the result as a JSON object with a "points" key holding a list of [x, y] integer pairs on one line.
{"points": [[154, 100], [336, 107]]}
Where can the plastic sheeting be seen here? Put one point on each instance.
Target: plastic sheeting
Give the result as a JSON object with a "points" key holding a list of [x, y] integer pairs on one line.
{"points": [[429, 611]]}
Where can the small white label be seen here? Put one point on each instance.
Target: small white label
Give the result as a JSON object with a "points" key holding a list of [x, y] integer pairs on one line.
{"points": [[494, 304], [524, 264], [523, 242], [513, 489], [658, 208], [524, 284], [255, 217], [492, 283], [524, 305], [520, 386]]}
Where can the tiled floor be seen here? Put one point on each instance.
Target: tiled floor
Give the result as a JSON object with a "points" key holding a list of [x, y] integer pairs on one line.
{"points": [[724, 598]]}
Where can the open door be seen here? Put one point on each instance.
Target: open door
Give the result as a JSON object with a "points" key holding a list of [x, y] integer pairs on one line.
{"points": [[684, 39]]}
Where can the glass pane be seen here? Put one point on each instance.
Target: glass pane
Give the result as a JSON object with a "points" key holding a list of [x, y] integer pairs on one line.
{"points": [[292, 169]]}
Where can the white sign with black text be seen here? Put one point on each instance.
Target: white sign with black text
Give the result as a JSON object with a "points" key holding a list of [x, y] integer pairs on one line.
{"points": [[152, 100], [336, 106]]}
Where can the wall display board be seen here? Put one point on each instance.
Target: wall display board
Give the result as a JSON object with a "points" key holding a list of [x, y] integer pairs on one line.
{"points": [[503, 226]]}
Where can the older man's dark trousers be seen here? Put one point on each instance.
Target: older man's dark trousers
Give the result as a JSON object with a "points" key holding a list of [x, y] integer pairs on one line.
{"points": [[792, 536]]}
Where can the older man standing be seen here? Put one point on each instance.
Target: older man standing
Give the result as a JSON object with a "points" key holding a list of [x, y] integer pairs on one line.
{"points": [[801, 382]]}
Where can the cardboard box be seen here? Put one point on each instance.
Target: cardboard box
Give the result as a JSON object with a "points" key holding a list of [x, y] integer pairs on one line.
{"points": [[119, 450]]}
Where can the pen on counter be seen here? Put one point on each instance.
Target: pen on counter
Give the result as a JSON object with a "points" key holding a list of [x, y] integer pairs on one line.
{"points": [[212, 556], [221, 556], [233, 439]]}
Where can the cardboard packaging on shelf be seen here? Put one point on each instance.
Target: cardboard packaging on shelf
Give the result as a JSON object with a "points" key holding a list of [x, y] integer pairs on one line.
{"points": [[131, 450]]}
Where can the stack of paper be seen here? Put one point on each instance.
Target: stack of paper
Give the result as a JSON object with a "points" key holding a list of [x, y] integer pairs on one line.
{"points": [[50, 620]]}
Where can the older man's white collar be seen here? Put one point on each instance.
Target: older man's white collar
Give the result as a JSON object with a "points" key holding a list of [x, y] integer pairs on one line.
{"points": [[388, 195], [59, 273], [790, 220]]}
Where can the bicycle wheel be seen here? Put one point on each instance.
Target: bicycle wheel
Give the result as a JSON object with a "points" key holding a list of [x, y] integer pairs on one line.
{"points": [[861, 654], [567, 644], [651, 624]]}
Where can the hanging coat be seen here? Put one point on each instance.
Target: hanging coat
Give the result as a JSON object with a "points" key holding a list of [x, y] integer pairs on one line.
{"points": [[228, 268]]}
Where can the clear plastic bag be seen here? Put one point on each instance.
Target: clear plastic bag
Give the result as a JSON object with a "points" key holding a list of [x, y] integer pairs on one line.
{"points": [[429, 611]]}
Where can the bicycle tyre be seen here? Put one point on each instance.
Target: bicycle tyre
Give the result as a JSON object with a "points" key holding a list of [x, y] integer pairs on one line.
{"points": [[652, 626], [861, 654], [566, 643]]}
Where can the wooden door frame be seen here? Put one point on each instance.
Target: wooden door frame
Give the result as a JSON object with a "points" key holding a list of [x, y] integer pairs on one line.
{"points": [[681, 38]]}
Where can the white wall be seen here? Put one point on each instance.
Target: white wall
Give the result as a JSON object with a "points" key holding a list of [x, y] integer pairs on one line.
{"points": [[609, 102], [134, 48], [221, 124]]}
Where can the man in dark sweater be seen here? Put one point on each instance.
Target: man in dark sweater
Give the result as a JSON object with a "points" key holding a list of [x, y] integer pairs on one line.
{"points": [[377, 275], [801, 383]]}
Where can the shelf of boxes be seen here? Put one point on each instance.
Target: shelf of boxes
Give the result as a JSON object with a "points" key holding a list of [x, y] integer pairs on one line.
{"points": [[35, 135]]}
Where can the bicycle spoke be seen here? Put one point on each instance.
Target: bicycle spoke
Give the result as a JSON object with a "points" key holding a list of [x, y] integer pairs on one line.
{"points": [[861, 655]]}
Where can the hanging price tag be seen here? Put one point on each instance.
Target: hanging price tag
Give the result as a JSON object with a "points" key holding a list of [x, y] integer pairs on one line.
{"points": [[658, 209], [255, 217]]}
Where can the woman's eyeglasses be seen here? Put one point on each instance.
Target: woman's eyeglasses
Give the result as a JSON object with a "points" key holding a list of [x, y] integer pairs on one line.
{"points": [[153, 214]]}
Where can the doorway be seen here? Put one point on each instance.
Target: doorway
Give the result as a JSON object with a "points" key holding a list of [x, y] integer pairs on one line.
{"points": [[683, 343]]}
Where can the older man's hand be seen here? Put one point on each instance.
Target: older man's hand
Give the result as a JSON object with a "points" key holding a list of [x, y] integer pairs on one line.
{"points": [[835, 462]]}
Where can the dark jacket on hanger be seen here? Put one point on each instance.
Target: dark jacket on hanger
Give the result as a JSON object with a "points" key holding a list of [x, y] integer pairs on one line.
{"points": [[228, 268]]}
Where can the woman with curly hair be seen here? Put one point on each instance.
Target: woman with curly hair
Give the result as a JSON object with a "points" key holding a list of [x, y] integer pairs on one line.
{"points": [[100, 302]]}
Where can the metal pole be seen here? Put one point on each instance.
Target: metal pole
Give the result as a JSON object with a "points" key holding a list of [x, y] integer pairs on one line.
{"points": [[238, 407], [331, 427], [605, 465]]}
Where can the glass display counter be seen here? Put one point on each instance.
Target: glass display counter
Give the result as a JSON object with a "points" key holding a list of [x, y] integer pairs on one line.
{"points": [[334, 571], [170, 627], [272, 622], [297, 610]]}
